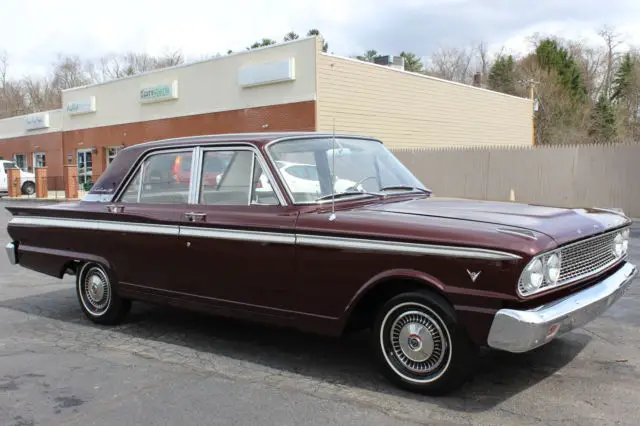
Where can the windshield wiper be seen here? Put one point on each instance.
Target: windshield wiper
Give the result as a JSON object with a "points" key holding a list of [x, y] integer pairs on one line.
{"points": [[348, 193], [405, 187]]}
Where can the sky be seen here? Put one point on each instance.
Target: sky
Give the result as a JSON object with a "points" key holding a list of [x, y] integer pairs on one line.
{"points": [[34, 32]]}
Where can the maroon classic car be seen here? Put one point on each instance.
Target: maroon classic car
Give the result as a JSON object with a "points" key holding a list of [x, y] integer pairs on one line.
{"points": [[434, 279]]}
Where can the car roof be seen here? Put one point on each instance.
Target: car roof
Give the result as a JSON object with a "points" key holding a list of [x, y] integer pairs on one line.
{"points": [[258, 139]]}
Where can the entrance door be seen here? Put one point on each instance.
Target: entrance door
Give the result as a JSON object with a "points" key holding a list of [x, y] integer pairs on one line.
{"points": [[85, 166]]}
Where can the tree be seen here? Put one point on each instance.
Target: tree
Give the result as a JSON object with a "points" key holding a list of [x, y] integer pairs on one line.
{"points": [[603, 121], [622, 82], [411, 62], [452, 63], [369, 56], [502, 76], [262, 43], [610, 38], [555, 58], [291, 36], [70, 71], [315, 32]]}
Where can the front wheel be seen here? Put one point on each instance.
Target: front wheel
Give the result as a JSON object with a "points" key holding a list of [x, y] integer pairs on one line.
{"points": [[98, 300], [420, 346]]}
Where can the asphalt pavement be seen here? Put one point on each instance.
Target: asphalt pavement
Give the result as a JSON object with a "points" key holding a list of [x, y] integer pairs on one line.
{"points": [[170, 367]]}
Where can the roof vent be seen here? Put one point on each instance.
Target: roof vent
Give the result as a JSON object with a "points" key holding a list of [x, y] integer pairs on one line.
{"points": [[396, 62]]}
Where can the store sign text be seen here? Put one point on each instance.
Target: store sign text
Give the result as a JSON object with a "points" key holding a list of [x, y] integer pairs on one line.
{"points": [[163, 92]]}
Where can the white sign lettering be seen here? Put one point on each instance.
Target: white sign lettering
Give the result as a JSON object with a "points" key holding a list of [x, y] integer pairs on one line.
{"points": [[37, 121], [84, 106], [160, 93]]}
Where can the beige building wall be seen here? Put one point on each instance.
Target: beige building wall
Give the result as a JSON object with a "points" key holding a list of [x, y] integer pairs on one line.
{"points": [[18, 126], [205, 87], [567, 176], [409, 110]]}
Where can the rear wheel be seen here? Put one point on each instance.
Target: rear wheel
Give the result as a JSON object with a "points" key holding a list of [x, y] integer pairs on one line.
{"points": [[98, 300], [420, 346]]}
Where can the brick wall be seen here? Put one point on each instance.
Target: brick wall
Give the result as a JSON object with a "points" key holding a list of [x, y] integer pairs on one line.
{"points": [[287, 117]]}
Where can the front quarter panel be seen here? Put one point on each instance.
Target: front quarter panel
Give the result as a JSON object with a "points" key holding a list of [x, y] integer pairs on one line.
{"points": [[336, 277]]}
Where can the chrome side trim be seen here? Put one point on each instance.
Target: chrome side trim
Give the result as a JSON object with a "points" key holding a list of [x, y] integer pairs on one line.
{"points": [[230, 234], [11, 253], [519, 233], [269, 237], [403, 248], [97, 225], [519, 331]]}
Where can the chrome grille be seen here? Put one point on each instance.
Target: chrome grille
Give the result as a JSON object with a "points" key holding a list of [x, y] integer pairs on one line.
{"points": [[586, 257]]}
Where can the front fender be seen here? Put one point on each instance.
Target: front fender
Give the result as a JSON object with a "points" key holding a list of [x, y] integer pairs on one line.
{"points": [[419, 277]]}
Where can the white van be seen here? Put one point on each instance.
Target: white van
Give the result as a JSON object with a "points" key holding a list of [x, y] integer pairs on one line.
{"points": [[27, 180]]}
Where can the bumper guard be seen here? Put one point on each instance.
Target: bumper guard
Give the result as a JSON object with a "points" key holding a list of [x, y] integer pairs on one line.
{"points": [[11, 253]]}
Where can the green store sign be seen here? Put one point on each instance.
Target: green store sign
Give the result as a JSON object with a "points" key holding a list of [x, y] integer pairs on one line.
{"points": [[159, 93]]}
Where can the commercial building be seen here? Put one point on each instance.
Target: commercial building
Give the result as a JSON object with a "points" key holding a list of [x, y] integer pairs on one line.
{"points": [[290, 86]]}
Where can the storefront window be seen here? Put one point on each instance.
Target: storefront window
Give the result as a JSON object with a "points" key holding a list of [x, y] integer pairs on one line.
{"points": [[39, 160], [21, 161], [112, 151]]}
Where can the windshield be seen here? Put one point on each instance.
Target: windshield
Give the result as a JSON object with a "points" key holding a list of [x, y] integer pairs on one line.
{"points": [[361, 166]]}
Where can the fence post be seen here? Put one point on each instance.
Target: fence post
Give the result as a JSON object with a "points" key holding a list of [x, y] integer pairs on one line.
{"points": [[42, 189], [71, 181], [13, 183]]}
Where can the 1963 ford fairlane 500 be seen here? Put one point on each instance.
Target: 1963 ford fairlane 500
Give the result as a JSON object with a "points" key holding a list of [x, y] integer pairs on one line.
{"points": [[434, 279]]}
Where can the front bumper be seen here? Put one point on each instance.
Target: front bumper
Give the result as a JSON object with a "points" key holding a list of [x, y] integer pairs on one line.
{"points": [[11, 253], [521, 331]]}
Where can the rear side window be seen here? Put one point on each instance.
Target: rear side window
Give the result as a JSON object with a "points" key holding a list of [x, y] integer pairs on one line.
{"points": [[162, 179]]}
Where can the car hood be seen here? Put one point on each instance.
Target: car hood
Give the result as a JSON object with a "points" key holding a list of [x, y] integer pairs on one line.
{"points": [[560, 224]]}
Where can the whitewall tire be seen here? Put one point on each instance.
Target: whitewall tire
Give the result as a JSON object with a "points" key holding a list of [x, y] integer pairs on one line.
{"points": [[420, 346], [97, 296]]}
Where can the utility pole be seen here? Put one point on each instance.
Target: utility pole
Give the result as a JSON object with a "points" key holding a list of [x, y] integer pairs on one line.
{"points": [[531, 84]]}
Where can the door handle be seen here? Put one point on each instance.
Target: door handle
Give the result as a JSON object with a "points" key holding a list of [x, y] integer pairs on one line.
{"points": [[194, 216], [115, 208]]}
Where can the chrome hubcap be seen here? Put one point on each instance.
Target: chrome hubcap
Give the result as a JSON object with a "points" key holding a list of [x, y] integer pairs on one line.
{"points": [[417, 341], [96, 290]]}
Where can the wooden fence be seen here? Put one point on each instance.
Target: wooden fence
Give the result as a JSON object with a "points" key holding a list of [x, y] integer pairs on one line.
{"points": [[606, 175]]}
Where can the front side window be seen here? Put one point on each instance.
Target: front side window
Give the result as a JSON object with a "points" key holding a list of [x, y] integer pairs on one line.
{"points": [[308, 166], [234, 177], [162, 179]]}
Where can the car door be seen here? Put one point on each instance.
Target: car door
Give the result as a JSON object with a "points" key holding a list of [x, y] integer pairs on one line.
{"points": [[240, 234], [143, 242]]}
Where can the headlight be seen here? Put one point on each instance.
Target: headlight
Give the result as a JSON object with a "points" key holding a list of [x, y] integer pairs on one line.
{"points": [[543, 271], [552, 270], [625, 241], [618, 245], [532, 277]]}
